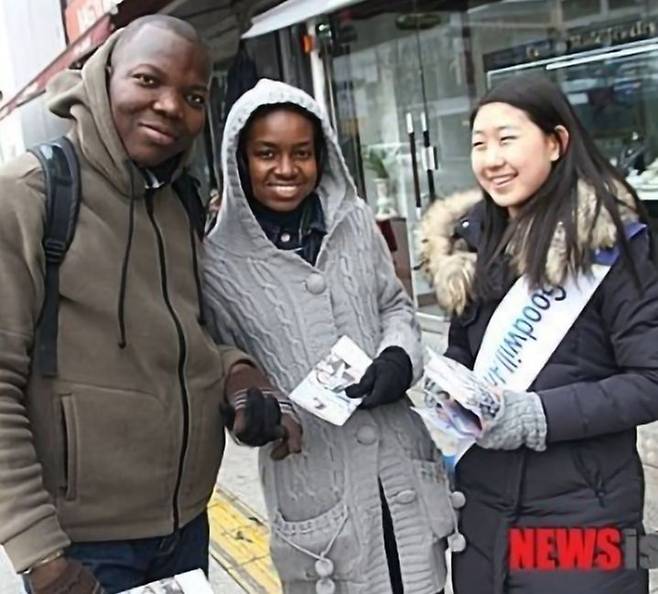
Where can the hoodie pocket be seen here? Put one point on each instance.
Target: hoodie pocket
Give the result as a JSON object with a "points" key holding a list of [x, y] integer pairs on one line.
{"points": [[120, 448], [70, 448], [295, 545]]}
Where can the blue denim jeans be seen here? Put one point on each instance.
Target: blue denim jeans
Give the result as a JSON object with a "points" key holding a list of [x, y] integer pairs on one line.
{"points": [[123, 564]]}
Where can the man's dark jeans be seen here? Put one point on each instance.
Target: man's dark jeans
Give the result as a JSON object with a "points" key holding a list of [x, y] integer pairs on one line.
{"points": [[123, 564]]}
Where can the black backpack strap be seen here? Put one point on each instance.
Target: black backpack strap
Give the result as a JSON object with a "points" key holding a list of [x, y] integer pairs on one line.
{"points": [[62, 176], [188, 191]]}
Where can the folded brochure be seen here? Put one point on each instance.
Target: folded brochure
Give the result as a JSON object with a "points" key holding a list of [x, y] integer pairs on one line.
{"points": [[458, 404], [322, 391], [192, 582]]}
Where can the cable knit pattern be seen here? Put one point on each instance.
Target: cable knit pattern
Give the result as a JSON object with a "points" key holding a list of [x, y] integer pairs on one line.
{"points": [[288, 314], [523, 423]]}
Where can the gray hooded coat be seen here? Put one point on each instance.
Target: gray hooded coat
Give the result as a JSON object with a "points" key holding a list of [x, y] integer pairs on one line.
{"points": [[288, 314]]}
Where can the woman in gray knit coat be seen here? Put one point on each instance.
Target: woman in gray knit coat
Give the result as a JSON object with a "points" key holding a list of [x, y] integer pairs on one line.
{"points": [[294, 262]]}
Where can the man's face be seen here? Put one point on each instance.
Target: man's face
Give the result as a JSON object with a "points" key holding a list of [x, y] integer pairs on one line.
{"points": [[158, 91]]}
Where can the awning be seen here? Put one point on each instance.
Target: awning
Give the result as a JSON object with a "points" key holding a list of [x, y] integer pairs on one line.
{"points": [[293, 12], [82, 46], [120, 14]]}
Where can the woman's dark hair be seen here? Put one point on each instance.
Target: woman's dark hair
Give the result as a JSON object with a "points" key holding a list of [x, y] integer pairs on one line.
{"points": [[319, 142], [556, 201]]}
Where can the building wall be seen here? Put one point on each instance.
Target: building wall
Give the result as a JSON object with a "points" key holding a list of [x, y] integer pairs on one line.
{"points": [[37, 26], [11, 135], [31, 36]]}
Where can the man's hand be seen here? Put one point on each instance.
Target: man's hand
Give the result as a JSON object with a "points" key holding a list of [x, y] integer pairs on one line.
{"points": [[259, 414], [63, 576], [386, 380], [291, 443]]}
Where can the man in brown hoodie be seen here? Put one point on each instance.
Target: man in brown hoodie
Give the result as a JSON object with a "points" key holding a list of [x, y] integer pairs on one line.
{"points": [[106, 469]]}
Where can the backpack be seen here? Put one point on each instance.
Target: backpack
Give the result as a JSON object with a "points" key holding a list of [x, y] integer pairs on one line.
{"points": [[61, 169]]}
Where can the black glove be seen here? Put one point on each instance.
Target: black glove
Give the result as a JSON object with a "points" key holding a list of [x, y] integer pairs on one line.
{"points": [[386, 380], [255, 417]]}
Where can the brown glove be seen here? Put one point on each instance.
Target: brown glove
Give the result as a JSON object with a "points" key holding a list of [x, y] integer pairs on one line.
{"points": [[63, 576], [258, 413]]}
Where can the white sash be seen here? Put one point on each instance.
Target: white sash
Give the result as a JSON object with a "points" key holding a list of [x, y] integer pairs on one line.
{"points": [[528, 326]]}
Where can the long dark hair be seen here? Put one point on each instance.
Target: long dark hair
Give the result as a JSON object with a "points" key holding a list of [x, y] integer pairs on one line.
{"points": [[556, 201]]}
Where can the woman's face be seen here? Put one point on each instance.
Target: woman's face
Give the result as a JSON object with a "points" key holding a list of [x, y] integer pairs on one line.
{"points": [[282, 162], [510, 155]]}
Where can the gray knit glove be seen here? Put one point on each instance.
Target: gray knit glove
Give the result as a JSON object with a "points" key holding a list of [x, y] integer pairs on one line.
{"points": [[523, 423]]}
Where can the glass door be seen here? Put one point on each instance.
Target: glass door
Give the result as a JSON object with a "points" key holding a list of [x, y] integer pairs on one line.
{"points": [[399, 95]]}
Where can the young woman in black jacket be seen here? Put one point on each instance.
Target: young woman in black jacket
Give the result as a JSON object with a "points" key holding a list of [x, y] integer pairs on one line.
{"points": [[552, 223]]}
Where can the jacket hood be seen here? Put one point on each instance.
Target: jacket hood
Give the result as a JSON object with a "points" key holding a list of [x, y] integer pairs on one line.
{"points": [[449, 260], [82, 96], [335, 189]]}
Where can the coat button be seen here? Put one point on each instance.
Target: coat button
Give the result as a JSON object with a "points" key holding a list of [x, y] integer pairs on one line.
{"points": [[407, 496], [456, 542], [325, 586], [315, 284], [457, 499], [366, 435]]}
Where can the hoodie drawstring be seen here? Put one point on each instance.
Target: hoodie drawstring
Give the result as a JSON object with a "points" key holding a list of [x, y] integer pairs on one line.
{"points": [[126, 259], [197, 277], [124, 267]]}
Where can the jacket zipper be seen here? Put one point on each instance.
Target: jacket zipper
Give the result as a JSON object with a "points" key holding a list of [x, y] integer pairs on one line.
{"points": [[182, 359]]}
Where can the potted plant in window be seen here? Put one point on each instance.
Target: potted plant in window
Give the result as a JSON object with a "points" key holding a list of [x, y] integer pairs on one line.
{"points": [[375, 160]]}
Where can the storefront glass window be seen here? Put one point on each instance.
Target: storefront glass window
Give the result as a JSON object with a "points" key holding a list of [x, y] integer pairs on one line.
{"points": [[572, 10], [426, 62]]}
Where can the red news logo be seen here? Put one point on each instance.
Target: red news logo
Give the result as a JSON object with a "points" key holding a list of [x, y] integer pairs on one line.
{"points": [[552, 549]]}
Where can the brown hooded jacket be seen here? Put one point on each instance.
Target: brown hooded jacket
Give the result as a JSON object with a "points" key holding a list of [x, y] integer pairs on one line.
{"points": [[127, 440]]}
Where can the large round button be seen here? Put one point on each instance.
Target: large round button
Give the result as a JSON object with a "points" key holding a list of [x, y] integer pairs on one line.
{"points": [[325, 586], [366, 435], [457, 499], [456, 542], [315, 284], [407, 496]]}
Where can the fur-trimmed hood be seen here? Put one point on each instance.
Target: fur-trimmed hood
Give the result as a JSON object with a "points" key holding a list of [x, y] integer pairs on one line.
{"points": [[449, 261]]}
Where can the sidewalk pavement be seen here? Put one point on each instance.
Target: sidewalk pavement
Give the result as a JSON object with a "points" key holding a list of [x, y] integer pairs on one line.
{"points": [[9, 582]]}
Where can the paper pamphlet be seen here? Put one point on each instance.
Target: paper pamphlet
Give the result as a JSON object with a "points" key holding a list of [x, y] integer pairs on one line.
{"points": [[322, 391], [458, 404], [192, 582]]}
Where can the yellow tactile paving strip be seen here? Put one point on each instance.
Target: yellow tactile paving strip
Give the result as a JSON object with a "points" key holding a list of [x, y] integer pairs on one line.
{"points": [[239, 543]]}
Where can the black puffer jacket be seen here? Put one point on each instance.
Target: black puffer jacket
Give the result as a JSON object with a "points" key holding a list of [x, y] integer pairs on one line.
{"points": [[600, 383]]}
